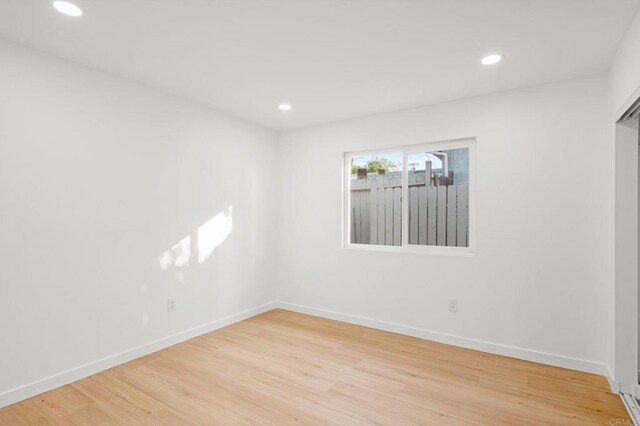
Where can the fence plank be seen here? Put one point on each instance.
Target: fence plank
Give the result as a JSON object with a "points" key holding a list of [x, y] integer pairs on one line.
{"points": [[413, 215], [373, 222], [441, 232], [422, 215], [397, 216], [451, 215], [463, 215], [432, 208], [352, 219], [381, 216], [365, 212], [357, 216], [388, 195]]}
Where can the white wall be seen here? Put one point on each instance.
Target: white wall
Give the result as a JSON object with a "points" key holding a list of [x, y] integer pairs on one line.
{"points": [[625, 69], [99, 177], [539, 279]]}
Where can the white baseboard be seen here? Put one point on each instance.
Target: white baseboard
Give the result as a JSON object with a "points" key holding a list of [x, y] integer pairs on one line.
{"points": [[613, 383], [32, 389], [35, 388], [465, 342]]}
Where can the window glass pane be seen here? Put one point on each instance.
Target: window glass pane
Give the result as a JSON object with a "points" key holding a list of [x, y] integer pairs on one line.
{"points": [[438, 197], [376, 199]]}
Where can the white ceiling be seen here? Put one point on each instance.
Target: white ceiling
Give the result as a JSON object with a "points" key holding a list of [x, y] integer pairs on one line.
{"points": [[331, 59]]}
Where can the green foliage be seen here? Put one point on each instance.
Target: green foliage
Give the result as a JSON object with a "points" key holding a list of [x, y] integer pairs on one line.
{"points": [[375, 164]]}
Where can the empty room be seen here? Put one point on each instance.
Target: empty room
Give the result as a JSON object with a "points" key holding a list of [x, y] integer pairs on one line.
{"points": [[345, 212]]}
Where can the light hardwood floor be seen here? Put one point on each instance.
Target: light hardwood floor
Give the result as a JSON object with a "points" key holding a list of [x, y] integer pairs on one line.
{"points": [[282, 367]]}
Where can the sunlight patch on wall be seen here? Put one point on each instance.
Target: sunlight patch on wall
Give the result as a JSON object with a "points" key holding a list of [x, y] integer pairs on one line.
{"points": [[213, 233], [178, 256], [145, 320], [205, 240]]}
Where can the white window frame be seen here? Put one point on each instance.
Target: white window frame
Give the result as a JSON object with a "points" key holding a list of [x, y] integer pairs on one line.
{"points": [[469, 143]]}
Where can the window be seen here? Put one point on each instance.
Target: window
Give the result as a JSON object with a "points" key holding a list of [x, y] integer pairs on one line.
{"points": [[411, 198]]}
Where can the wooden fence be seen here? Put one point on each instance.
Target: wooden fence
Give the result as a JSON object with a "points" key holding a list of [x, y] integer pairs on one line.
{"points": [[438, 215]]}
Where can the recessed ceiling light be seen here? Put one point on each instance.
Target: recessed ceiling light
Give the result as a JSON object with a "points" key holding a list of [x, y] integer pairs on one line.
{"points": [[491, 59], [67, 8], [285, 107]]}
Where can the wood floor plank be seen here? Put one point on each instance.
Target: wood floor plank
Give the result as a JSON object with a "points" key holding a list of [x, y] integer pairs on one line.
{"points": [[283, 367]]}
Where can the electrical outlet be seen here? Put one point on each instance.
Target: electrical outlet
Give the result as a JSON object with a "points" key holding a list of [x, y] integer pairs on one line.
{"points": [[171, 304], [453, 305]]}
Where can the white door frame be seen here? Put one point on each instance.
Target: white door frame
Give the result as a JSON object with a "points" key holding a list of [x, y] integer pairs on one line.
{"points": [[625, 310]]}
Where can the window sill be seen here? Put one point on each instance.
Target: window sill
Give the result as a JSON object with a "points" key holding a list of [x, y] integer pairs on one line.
{"points": [[412, 249]]}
